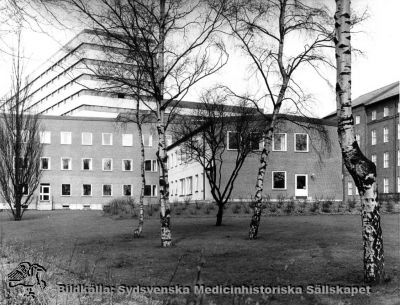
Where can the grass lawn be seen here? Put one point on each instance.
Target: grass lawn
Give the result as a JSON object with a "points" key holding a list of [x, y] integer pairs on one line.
{"points": [[295, 250]]}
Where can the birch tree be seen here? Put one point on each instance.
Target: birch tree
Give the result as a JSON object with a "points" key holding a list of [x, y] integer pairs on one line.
{"points": [[264, 30], [178, 48], [359, 166]]}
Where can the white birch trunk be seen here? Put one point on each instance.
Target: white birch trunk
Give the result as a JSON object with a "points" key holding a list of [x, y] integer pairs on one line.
{"points": [[361, 169]]}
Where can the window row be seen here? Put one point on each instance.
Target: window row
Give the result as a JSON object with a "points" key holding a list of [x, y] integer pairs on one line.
{"points": [[107, 164], [386, 159], [352, 189], [279, 141], [106, 138], [385, 135], [150, 190], [386, 113], [186, 186]]}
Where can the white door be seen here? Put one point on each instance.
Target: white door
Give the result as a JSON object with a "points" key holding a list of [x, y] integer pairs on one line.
{"points": [[301, 186], [44, 192]]}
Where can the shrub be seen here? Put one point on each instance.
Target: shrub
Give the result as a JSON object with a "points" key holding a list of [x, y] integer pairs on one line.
{"points": [[389, 206], [314, 207], [150, 209], [208, 208], [302, 205], [289, 207], [236, 208], [351, 204], [122, 207], [272, 207], [246, 207], [326, 206], [281, 201]]}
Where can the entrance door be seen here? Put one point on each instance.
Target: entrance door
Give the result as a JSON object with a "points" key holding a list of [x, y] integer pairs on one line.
{"points": [[301, 186], [44, 192]]}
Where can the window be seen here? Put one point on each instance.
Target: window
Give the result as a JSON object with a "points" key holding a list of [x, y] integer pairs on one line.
{"points": [[127, 165], [65, 137], [373, 115], [176, 187], [398, 158], [233, 140], [196, 183], [357, 119], [386, 185], [255, 140], [147, 140], [106, 139], [373, 158], [87, 138], [127, 190], [45, 137], [358, 138], [385, 111], [45, 163], [385, 135], [25, 189], [189, 185], [44, 192], [150, 165], [150, 190], [278, 180], [373, 137], [168, 140], [398, 131], [107, 190], [86, 190], [87, 164], [107, 164], [66, 164], [65, 189], [182, 187], [349, 189], [279, 142], [127, 139], [385, 160], [301, 142]]}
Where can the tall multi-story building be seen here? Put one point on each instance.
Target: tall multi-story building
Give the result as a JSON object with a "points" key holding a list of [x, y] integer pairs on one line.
{"points": [[377, 131]]}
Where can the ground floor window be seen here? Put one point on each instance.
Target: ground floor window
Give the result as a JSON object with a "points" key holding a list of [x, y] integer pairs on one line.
{"points": [[44, 192], [107, 190], [65, 189], [150, 190], [87, 190], [349, 189], [127, 190], [386, 185], [189, 185], [278, 180]]}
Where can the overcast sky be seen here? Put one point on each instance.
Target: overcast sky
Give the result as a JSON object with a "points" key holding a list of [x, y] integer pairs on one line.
{"points": [[378, 67]]}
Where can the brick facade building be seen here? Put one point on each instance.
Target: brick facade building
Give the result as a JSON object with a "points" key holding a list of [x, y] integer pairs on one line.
{"points": [[377, 130], [294, 170], [86, 162]]}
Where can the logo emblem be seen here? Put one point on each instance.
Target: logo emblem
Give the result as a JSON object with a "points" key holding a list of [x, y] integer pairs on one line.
{"points": [[27, 275]]}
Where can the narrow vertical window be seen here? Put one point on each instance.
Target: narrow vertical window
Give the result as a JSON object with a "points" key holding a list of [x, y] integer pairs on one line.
{"points": [[373, 137]]}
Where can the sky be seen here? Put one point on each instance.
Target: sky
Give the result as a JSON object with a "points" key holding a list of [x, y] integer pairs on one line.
{"points": [[378, 38]]}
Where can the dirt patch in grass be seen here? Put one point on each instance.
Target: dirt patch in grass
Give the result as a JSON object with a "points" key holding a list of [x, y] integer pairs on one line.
{"points": [[291, 250]]}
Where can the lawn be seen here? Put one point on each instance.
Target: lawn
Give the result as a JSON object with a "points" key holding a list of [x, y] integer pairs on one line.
{"points": [[291, 250]]}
